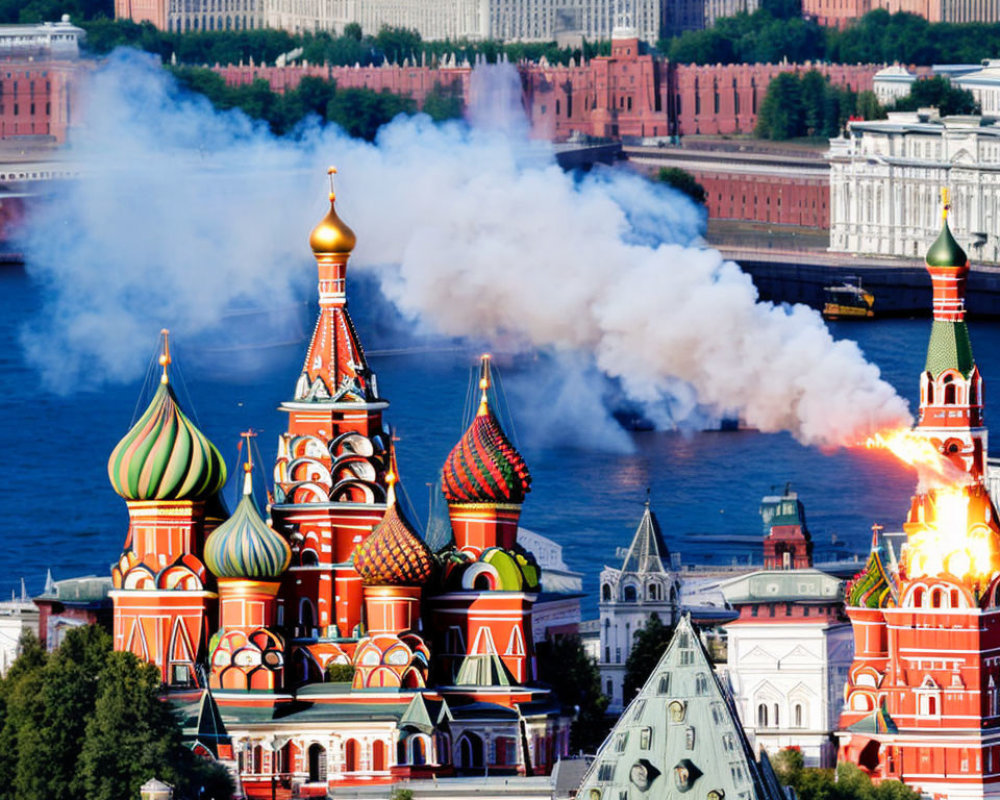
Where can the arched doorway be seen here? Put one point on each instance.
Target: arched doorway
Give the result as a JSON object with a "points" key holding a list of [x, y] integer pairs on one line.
{"points": [[471, 753], [317, 763]]}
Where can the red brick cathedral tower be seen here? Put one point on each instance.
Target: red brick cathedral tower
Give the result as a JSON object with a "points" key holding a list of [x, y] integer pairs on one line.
{"points": [[168, 472], [483, 617], [922, 693], [330, 471]]}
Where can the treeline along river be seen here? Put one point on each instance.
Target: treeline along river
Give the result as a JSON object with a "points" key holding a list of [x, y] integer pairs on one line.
{"points": [[60, 513]]}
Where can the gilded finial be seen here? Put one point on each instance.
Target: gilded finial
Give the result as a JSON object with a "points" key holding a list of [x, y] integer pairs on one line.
{"points": [[484, 383], [247, 435], [332, 236], [945, 202], [390, 486], [165, 355]]}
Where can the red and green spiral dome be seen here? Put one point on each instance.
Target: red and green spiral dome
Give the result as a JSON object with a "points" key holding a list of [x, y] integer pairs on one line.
{"points": [[165, 457], [484, 467]]}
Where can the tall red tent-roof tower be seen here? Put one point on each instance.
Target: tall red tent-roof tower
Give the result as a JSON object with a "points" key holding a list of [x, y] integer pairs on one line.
{"points": [[330, 471], [921, 702]]}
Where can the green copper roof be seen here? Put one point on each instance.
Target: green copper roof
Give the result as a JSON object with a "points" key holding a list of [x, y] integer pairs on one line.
{"points": [[949, 348], [680, 737], [946, 252], [878, 721], [244, 546], [485, 669], [165, 457]]}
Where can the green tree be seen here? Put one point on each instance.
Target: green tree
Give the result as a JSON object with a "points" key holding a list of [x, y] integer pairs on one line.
{"points": [[682, 181], [868, 106], [444, 102], [848, 782], [361, 112], [19, 708], [780, 115], [398, 43], [938, 92], [132, 736], [649, 644], [574, 677], [47, 751], [352, 30]]}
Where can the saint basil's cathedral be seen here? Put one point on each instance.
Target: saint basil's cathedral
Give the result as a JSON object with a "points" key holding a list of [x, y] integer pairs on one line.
{"points": [[328, 645]]}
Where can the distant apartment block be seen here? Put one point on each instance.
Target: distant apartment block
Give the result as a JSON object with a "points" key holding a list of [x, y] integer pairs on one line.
{"points": [[508, 20], [186, 16], [838, 13], [885, 181], [695, 15]]}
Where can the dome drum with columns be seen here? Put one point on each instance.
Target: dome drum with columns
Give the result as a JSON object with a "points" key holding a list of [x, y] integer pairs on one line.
{"points": [[332, 617]]}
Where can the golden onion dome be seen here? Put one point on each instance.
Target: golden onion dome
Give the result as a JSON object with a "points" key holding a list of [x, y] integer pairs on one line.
{"points": [[332, 236]]}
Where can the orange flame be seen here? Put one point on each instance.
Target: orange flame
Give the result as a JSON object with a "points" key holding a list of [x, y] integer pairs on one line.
{"points": [[949, 530], [952, 539], [918, 451]]}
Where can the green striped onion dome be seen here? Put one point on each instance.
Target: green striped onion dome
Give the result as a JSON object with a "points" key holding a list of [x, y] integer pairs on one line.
{"points": [[165, 457], [484, 467], [244, 546], [393, 555], [945, 251]]}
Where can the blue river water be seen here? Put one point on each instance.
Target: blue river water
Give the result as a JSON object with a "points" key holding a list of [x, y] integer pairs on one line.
{"points": [[60, 513]]}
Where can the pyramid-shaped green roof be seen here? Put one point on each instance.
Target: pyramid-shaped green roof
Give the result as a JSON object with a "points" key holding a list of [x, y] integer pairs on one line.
{"points": [[949, 348], [680, 735]]}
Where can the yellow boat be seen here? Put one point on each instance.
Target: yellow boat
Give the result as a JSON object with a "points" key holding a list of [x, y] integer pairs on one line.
{"points": [[848, 301]]}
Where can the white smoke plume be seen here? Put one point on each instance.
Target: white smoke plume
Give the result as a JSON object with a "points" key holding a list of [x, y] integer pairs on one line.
{"points": [[185, 214]]}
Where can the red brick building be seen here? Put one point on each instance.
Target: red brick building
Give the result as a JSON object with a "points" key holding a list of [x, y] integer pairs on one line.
{"points": [[627, 94], [784, 186], [37, 98], [724, 98]]}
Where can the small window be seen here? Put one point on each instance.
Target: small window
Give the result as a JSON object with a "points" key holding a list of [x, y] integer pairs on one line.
{"points": [[645, 738]]}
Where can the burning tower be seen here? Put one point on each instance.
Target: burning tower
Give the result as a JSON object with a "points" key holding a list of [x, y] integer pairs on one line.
{"points": [[921, 702]]}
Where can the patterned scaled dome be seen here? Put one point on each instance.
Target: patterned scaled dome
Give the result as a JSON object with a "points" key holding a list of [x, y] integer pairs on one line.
{"points": [[393, 555], [484, 467], [165, 457], [244, 546]]}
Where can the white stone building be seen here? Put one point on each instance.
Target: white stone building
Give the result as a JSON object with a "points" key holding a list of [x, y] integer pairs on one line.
{"points": [[788, 656], [891, 83], [59, 40], [629, 595], [508, 20], [984, 85], [886, 178], [557, 610], [16, 616]]}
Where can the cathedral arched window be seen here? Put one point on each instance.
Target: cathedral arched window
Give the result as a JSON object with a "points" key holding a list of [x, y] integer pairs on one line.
{"points": [[606, 592], [629, 594], [798, 715], [352, 756], [762, 715]]}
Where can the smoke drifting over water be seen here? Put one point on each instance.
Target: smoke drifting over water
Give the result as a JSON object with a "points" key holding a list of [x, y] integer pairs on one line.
{"points": [[186, 214]]}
